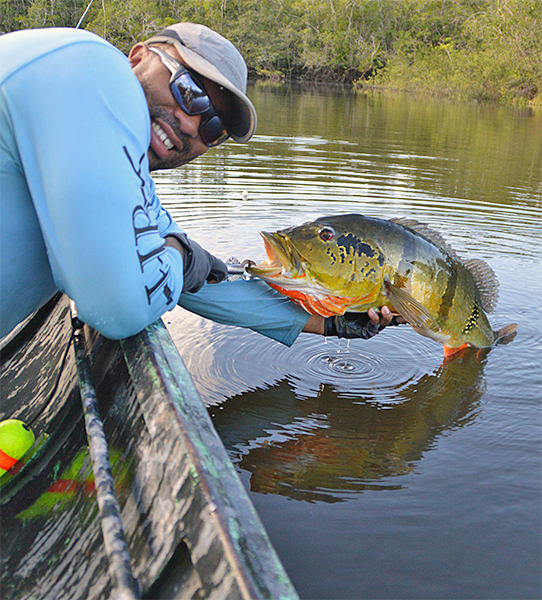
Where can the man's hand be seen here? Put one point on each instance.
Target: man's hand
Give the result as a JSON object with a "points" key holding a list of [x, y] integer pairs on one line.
{"points": [[353, 325], [359, 325]]}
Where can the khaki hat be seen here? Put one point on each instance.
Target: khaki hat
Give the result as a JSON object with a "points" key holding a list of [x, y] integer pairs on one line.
{"points": [[213, 56]]}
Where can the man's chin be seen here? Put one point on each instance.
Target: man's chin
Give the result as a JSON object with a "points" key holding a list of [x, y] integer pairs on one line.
{"points": [[156, 163]]}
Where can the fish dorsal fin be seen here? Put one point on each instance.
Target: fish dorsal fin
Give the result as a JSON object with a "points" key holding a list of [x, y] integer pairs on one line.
{"points": [[427, 232], [484, 277], [486, 282]]}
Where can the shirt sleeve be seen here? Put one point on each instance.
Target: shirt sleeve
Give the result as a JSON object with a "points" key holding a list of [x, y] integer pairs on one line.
{"points": [[83, 130], [251, 304]]}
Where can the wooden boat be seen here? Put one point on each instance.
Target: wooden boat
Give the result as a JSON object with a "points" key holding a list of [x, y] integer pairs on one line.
{"points": [[187, 521]]}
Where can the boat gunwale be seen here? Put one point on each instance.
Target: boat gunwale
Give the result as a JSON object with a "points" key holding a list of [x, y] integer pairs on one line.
{"points": [[241, 531]]}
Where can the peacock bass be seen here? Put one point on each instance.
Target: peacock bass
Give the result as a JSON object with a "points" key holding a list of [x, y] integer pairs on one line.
{"points": [[350, 263]]}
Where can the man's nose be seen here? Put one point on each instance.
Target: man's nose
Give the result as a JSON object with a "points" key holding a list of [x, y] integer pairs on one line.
{"points": [[189, 123]]}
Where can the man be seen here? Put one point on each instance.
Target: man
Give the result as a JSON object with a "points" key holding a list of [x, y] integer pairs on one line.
{"points": [[80, 130]]}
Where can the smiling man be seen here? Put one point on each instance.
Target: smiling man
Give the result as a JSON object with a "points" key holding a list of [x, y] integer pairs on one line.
{"points": [[198, 100], [81, 127]]}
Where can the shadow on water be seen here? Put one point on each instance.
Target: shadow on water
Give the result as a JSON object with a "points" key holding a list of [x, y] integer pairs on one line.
{"points": [[322, 448]]}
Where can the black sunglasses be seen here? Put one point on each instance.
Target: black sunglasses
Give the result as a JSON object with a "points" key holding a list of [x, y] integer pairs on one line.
{"points": [[191, 96]]}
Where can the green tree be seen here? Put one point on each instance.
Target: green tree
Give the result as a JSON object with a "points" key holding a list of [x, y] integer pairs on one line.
{"points": [[53, 13], [12, 14], [482, 49]]}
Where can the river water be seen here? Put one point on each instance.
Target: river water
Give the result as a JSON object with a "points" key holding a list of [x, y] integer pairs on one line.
{"points": [[379, 471]]}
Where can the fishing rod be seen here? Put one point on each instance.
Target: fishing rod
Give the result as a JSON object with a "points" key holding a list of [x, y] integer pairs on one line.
{"points": [[85, 14], [125, 584]]}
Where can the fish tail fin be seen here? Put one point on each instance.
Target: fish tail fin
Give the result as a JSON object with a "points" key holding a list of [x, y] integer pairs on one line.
{"points": [[505, 334]]}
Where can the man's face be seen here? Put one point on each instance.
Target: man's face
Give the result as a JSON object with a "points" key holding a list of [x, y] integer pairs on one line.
{"points": [[175, 139]]}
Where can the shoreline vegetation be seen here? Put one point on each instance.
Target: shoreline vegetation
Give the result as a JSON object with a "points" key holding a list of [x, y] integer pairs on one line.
{"points": [[480, 50]]}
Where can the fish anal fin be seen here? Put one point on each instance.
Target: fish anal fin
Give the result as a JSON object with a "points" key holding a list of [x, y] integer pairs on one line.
{"points": [[409, 308], [485, 280], [451, 353]]}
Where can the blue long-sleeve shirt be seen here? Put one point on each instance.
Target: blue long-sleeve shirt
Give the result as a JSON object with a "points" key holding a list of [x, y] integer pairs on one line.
{"points": [[78, 209]]}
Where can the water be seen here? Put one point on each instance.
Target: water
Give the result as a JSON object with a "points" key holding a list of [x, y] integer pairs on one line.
{"points": [[379, 471]]}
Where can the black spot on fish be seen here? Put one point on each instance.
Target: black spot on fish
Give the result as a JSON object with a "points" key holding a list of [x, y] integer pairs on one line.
{"points": [[353, 245], [473, 318]]}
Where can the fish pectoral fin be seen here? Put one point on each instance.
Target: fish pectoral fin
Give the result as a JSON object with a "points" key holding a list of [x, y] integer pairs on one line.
{"points": [[409, 308]]}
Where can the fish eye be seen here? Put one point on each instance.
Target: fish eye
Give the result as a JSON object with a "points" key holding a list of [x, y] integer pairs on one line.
{"points": [[326, 234]]}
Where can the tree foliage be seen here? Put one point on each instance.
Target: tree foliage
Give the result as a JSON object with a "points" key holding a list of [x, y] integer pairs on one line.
{"points": [[482, 49]]}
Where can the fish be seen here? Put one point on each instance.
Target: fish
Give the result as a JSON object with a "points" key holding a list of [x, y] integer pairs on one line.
{"points": [[351, 263]]}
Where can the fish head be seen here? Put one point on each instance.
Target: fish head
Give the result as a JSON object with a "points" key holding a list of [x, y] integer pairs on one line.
{"points": [[328, 256]]}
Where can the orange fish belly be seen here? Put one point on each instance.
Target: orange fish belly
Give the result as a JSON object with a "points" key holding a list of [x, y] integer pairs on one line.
{"points": [[327, 306]]}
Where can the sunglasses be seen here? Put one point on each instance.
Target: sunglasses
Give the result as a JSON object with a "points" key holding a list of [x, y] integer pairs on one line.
{"points": [[191, 96]]}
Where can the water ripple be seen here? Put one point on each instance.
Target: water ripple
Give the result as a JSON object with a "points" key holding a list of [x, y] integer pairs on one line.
{"points": [[378, 370], [226, 361]]}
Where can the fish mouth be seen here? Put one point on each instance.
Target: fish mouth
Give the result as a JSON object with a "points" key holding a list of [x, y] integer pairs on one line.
{"points": [[283, 263]]}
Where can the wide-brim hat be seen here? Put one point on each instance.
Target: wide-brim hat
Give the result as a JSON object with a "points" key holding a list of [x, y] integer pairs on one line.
{"points": [[209, 54]]}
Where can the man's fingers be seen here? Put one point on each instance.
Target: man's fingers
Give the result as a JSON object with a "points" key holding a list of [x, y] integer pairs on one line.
{"points": [[373, 315], [385, 317]]}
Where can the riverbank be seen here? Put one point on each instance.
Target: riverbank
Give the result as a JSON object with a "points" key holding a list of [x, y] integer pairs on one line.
{"points": [[445, 90], [483, 50]]}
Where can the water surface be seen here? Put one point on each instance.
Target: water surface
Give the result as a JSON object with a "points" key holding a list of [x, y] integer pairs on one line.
{"points": [[379, 471]]}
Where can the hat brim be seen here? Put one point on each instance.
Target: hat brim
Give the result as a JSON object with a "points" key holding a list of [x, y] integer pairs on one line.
{"points": [[242, 124]]}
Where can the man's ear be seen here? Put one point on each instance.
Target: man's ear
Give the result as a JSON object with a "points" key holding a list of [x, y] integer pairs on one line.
{"points": [[137, 54]]}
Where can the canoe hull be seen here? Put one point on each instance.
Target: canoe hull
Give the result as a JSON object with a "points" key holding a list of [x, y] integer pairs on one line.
{"points": [[190, 527]]}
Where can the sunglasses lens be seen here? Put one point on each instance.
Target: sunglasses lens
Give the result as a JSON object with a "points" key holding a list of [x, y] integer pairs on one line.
{"points": [[190, 96], [193, 99], [213, 132]]}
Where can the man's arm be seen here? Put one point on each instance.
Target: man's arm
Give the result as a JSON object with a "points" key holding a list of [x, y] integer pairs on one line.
{"points": [[255, 305], [173, 242], [82, 138]]}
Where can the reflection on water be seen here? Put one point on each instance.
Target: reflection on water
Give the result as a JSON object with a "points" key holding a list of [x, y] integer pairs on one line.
{"points": [[319, 449], [378, 470]]}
